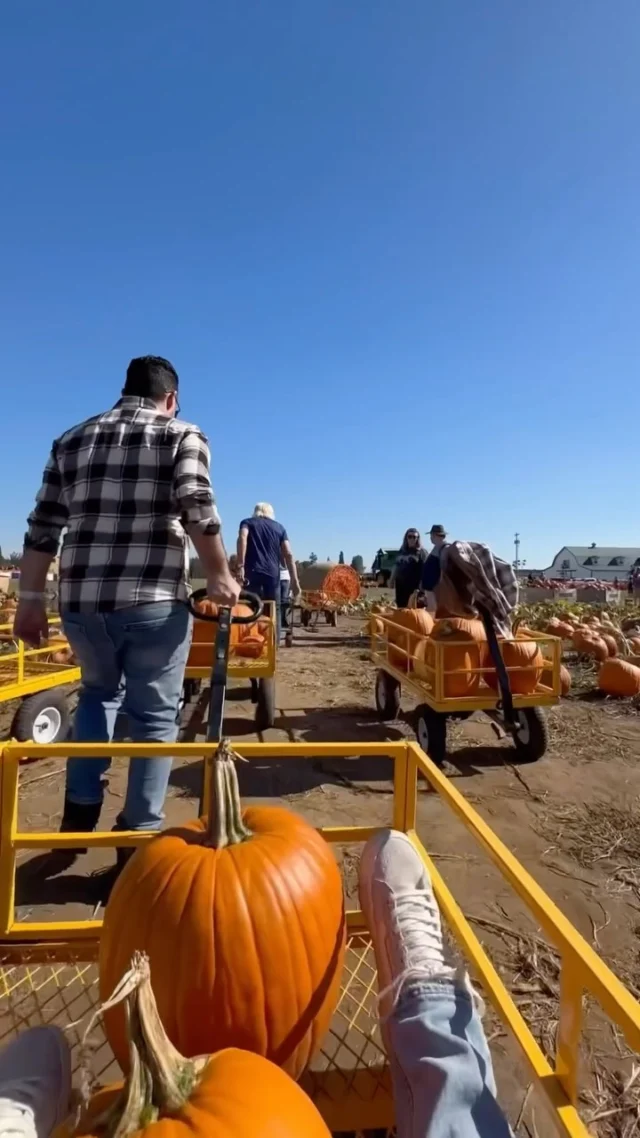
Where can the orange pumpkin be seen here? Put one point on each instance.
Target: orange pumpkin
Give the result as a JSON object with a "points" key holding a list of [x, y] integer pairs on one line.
{"points": [[524, 654], [565, 679], [619, 677], [242, 917], [610, 643], [564, 630], [463, 653], [167, 1096], [405, 629], [376, 626], [204, 634]]}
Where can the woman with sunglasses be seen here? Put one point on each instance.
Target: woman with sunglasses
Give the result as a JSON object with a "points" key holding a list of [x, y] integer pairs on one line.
{"points": [[407, 571]]}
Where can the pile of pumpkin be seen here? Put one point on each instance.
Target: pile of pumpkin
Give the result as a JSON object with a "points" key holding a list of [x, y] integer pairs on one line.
{"points": [[248, 640], [220, 964], [412, 636], [610, 645]]}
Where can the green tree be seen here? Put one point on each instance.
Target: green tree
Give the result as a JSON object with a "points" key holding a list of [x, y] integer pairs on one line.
{"points": [[341, 558], [357, 563], [313, 557]]}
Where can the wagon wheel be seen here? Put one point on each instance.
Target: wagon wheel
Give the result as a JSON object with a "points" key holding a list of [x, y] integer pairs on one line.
{"points": [[387, 696], [431, 732], [531, 736], [43, 717], [266, 703]]}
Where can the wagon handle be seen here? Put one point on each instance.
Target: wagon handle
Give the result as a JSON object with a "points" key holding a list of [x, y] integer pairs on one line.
{"points": [[251, 599]]}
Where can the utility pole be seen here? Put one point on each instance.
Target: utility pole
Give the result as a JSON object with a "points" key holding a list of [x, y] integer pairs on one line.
{"points": [[516, 542]]}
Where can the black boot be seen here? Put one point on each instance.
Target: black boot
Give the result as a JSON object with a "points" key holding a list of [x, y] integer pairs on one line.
{"points": [[79, 818]]}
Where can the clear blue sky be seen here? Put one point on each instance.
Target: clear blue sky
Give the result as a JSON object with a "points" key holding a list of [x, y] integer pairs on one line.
{"points": [[393, 250]]}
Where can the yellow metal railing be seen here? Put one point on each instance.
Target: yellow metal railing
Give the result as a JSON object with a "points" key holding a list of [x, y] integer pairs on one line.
{"points": [[430, 679], [24, 671], [581, 970]]}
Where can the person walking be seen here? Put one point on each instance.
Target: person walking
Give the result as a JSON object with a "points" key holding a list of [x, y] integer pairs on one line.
{"points": [[407, 571], [263, 546], [128, 488]]}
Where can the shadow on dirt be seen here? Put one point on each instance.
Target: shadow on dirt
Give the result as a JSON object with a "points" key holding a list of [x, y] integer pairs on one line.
{"points": [[269, 778]]}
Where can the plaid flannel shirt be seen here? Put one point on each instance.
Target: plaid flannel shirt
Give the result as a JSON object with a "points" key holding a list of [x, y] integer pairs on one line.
{"points": [[123, 486]]}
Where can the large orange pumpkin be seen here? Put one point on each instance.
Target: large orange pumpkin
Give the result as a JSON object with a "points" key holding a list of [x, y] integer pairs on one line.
{"points": [[242, 917], [405, 629], [233, 1094], [610, 643], [521, 653], [619, 677], [464, 646]]}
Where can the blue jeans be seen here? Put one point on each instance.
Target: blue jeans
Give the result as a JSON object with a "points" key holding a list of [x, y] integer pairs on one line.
{"points": [[441, 1066], [268, 588], [285, 593], [133, 659]]}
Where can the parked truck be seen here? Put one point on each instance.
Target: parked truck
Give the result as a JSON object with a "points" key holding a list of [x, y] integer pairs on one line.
{"points": [[382, 566]]}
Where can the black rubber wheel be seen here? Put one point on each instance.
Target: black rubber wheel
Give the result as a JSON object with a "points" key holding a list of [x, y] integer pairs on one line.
{"points": [[387, 696], [190, 689], [332, 619], [431, 732], [532, 737], [305, 617], [266, 704], [43, 717]]}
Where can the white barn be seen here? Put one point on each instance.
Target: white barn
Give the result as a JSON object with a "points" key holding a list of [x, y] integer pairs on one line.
{"points": [[585, 562]]}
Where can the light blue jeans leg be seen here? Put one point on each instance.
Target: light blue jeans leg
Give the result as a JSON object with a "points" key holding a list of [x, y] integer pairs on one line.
{"points": [[441, 1066], [134, 657], [156, 640], [101, 694]]}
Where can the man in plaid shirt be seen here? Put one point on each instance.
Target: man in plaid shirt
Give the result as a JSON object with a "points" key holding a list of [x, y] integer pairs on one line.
{"points": [[128, 488]]}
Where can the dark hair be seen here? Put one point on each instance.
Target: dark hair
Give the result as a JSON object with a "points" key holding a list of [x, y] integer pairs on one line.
{"points": [[150, 377], [405, 541]]}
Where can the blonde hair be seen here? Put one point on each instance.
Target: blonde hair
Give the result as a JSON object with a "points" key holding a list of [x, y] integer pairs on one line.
{"points": [[263, 510]]}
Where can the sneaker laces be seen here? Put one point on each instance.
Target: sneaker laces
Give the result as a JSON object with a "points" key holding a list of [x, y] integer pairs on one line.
{"points": [[416, 915], [416, 920]]}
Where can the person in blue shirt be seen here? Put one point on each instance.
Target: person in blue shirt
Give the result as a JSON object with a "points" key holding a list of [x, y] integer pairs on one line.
{"points": [[263, 546]]}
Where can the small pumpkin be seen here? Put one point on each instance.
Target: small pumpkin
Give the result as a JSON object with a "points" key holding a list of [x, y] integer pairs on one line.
{"points": [[405, 629], [208, 1097], [242, 917], [463, 655], [524, 663], [619, 677], [565, 679]]}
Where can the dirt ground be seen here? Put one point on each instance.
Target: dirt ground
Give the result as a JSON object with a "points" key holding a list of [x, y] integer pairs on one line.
{"points": [[570, 819]]}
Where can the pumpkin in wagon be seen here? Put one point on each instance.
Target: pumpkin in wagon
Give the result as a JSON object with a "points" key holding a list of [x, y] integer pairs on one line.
{"points": [[204, 634], [242, 917], [165, 1095], [464, 646], [524, 655], [406, 628]]}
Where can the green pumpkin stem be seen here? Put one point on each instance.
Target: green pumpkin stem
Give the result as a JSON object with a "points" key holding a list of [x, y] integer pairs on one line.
{"points": [[224, 824], [160, 1079]]}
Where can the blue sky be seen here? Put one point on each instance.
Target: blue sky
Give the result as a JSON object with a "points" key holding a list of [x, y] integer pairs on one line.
{"points": [[392, 249]]}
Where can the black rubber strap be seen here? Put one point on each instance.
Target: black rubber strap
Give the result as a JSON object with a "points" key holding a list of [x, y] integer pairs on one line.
{"points": [[501, 671]]}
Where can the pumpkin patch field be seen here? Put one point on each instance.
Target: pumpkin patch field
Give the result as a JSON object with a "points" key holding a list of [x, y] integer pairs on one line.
{"points": [[571, 819]]}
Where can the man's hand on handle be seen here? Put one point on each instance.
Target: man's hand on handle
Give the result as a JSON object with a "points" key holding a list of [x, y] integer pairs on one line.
{"points": [[223, 589]]}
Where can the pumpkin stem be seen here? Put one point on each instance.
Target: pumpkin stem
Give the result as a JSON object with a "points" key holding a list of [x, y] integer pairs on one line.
{"points": [[160, 1080], [224, 824]]}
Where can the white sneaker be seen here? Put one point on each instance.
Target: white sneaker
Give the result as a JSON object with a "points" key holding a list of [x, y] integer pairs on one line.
{"points": [[396, 897], [35, 1083]]}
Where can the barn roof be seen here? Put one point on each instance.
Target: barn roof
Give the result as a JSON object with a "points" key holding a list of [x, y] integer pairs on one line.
{"points": [[604, 553]]}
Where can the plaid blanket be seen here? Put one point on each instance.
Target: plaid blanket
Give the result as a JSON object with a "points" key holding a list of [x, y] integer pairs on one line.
{"points": [[490, 581]]}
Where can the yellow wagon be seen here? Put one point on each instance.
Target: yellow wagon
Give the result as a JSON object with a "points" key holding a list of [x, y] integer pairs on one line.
{"points": [[48, 970], [259, 669], [395, 652], [33, 677]]}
